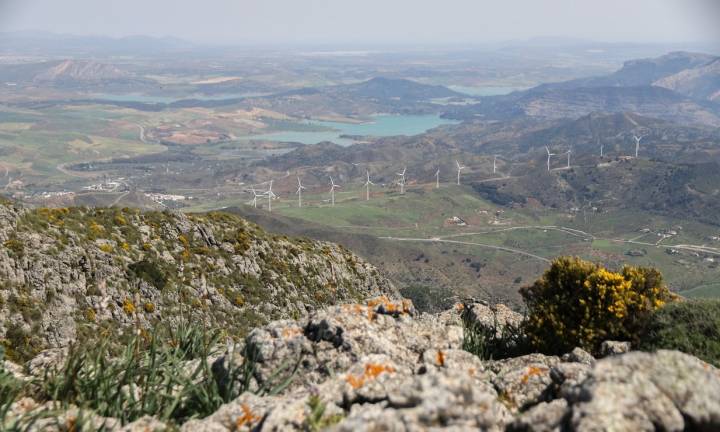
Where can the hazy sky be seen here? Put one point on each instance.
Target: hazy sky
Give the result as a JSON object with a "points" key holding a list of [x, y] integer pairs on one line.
{"points": [[372, 21]]}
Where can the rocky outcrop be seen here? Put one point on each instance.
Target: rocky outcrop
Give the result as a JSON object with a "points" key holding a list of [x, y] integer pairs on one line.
{"points": [[65, 272], [379, 365], [399, 371]]}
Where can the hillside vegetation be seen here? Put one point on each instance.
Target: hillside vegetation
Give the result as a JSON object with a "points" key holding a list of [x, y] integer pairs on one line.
{"points": [[73, 273]]}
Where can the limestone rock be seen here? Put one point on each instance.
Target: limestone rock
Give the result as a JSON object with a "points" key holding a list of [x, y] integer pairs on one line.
{"points": [[69, 268], [434, 400], [609, 348], [493, 317], [579, 355], [543, 417], [667, 390]]}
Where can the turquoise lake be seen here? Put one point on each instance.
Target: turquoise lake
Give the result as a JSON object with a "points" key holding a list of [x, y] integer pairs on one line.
{"points": [[484, 91], [380, 126]]}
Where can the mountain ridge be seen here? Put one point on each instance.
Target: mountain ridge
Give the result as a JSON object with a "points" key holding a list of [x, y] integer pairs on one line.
{"points": [[68, 272]]}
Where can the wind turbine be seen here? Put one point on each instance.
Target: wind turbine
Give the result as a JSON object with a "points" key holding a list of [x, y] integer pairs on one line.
{"points": [[459, 168], [367, 186], [601, 148], [437, 179], [549, 155], [402, 180], [333, 186], [637, 143], [494, 164], [255, 197], [299, 192], [270, 196], [568, 155]]}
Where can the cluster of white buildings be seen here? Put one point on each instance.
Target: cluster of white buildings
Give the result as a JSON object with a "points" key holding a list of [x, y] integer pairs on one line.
{"points": [[160, 198]]}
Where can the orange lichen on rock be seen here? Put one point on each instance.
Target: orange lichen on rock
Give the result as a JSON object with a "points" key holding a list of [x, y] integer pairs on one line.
{"points": [[384, 305], [372, 371], [440, 358], [290, 332], [358, 309], [247, 419], [532, 371]]}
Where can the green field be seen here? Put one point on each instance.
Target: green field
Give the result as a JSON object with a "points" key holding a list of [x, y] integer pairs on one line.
{"points": [[513, 243]]}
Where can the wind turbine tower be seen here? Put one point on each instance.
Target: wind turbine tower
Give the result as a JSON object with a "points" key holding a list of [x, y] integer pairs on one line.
{"points": [[367, 186], [437, 179], [271, 195], [402, 180], [299, 192], [568, 155], [255, 197], [333, 186], [459, 168], [637, 144], [548, 158], [494, 164]]}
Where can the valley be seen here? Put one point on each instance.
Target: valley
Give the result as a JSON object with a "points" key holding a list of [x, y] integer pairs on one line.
{"points": [[337, 216], [186, 135]]}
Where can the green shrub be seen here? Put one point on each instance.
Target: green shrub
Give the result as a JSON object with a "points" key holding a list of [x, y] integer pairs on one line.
{"points": [[428, 298], [578, 303], [150, 272], [492, 342], [692, 327], [15, 246]]}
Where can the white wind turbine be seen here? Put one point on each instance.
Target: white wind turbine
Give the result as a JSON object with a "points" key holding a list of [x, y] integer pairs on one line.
{"points": [[437, 179], [333, 186], [549, 155], [601, 148], [568, 156], [402, 180], [367, 186], [299, 192], [271, 195], [459, 168], [255, 197], [494, 164], [637, 143]]}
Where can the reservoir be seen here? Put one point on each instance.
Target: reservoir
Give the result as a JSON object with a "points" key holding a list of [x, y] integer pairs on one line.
{"points": [[379, 126]]}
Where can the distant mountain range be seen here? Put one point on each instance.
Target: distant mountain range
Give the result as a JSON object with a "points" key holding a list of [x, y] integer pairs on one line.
{"points": [[43, 43], [702, 82], [77, 70], [679, 86], [71, 74]]}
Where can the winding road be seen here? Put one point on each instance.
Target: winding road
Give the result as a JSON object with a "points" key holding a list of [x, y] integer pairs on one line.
{"points": [[439, 240], [570, 231]]}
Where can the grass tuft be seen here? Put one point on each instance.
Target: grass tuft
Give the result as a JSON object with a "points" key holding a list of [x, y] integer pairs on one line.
{"points": [[169, 375]]}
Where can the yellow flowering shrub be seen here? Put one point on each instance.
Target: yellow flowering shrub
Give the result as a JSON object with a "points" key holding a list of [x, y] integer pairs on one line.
{"points": [[128, 306], [578, 303]]}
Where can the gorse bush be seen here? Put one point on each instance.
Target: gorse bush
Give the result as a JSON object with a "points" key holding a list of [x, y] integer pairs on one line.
{"points": [[692, 327], [578, 303]]}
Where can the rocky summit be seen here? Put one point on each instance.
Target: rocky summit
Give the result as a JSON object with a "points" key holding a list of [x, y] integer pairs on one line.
{"points": [[381, 366]]}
